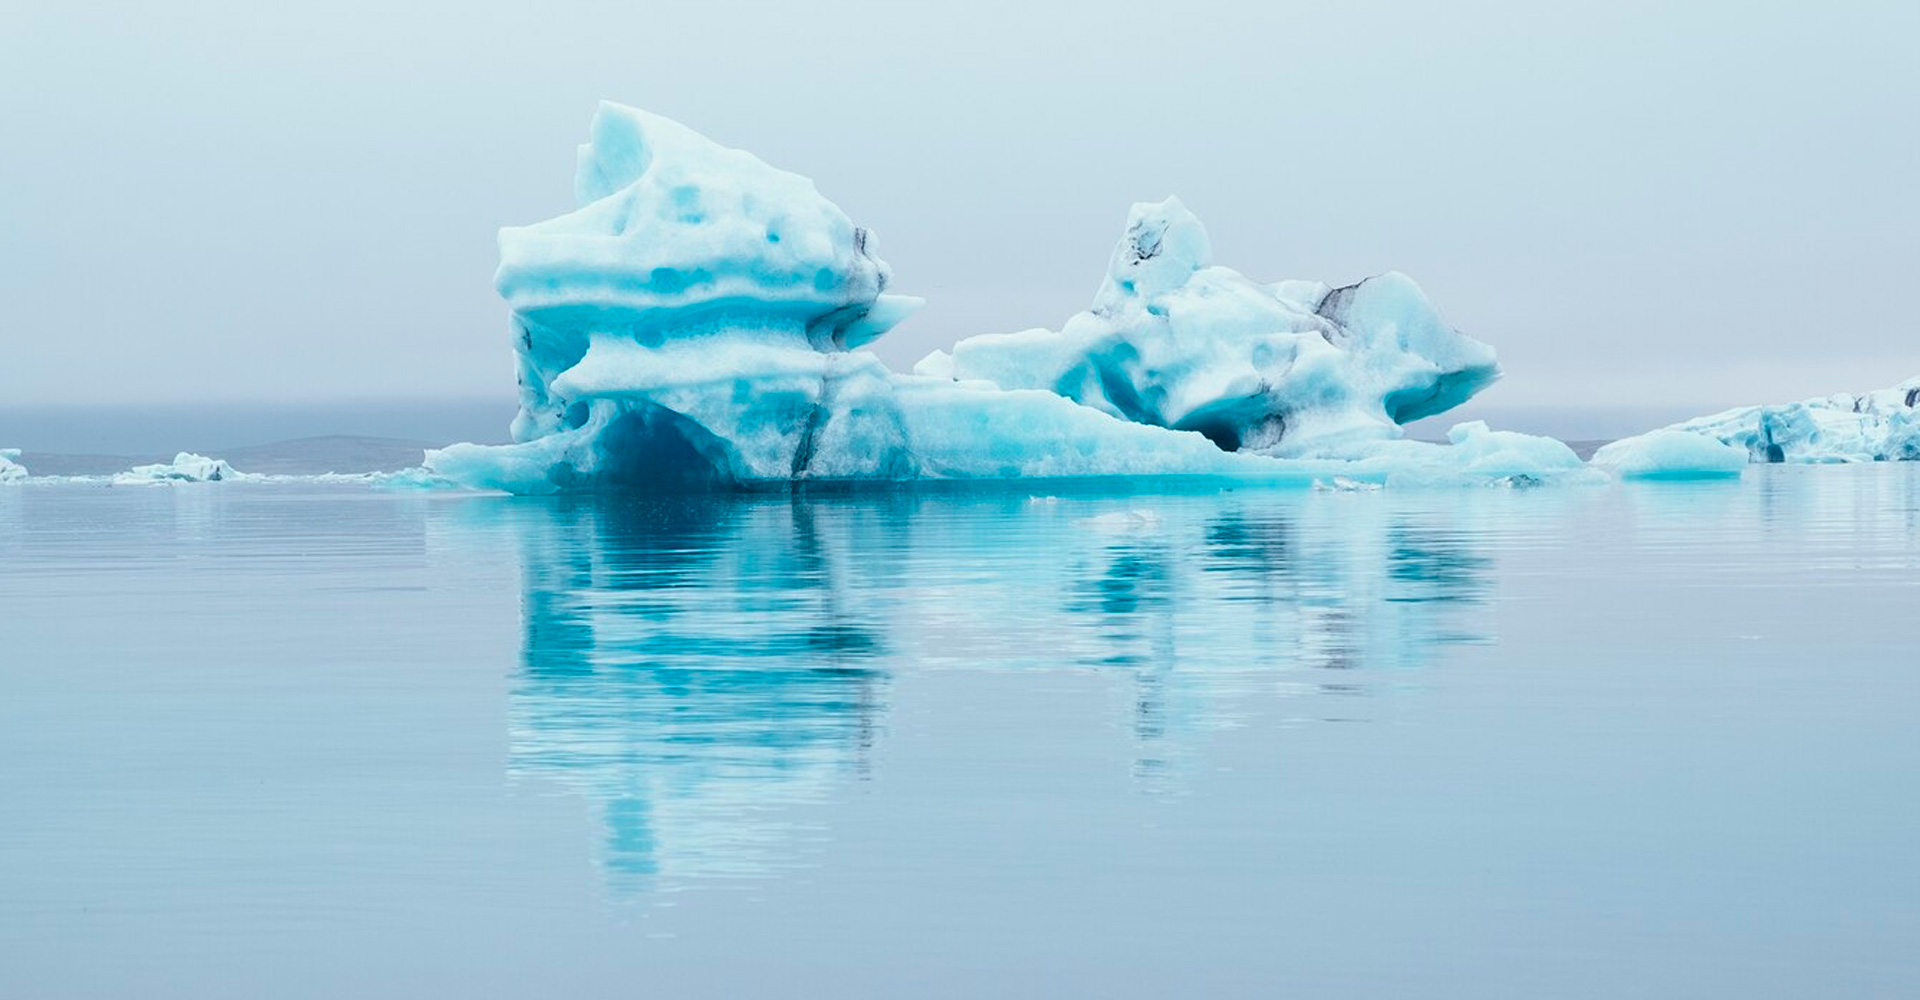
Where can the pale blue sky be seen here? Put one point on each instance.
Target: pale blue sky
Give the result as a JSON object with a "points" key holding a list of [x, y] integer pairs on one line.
{"points": [[1638, 204]]}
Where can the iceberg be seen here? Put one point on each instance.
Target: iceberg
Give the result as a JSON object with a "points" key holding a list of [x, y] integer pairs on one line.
{"points": [[1880, 426], [1294, 369], [11, 471], [186, 467], [696, 322], [1670, 454]]}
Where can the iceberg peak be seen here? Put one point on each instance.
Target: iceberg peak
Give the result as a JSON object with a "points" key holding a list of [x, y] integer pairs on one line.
{"points": [[673, 230], [1164, 245]]}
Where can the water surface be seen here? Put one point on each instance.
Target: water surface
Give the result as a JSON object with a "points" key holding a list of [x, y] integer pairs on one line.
{"points": [[305, 741]]}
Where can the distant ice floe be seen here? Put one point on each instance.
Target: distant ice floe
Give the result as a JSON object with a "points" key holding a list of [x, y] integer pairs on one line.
{"points": [[1882, 426], [186, 467], [189, 468], [695, 323]]}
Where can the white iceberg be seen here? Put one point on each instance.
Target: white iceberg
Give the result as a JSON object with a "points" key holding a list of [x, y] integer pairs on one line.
{"points": [[1882, 426], [1294, 369], [695, 322], [1670, 454], [186, 467], [11, 471]]}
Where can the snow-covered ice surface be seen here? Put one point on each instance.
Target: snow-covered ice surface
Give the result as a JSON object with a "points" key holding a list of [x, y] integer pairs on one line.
{"points": [[11, 471], [1670, 454], [1882, 426], [695, 322]]}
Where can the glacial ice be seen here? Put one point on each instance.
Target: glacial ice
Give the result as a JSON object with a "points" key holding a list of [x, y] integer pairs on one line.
{"points": [[696, 322], [11, 471], [1881, 426], [1670, 454], [1293, 370], [186, 467]]}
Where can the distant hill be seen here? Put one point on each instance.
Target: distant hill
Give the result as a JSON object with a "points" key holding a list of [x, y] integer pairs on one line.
{"points": [[302, 456]]}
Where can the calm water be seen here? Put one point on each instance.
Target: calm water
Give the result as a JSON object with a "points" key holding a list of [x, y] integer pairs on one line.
{"points": [[281, 741]]}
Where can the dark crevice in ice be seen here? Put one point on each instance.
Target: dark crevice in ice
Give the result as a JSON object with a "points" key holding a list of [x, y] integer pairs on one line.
{"points": [[1145, 245], [1332, 307], [810, 434]]}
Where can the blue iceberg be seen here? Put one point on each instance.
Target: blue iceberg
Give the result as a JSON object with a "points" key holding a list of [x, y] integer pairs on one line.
{"points": [[697, 322], [1879, 426], [1294, 369]]}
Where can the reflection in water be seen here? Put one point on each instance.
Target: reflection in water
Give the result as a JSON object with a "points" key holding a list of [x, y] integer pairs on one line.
{"points": [[697, 667], [690, 677], [1261, 602]]}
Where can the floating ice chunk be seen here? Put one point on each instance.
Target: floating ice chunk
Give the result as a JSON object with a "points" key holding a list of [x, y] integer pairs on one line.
{"points": [[404, 480], [1291, 370], [1882, 426], [1474, 455], [693, 324], [186, 467], [1484, 451], [1670, 454], [11, 471]]}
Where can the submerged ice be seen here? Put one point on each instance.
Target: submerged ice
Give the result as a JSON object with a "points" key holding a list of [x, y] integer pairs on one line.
{"points": [[697, 319]]}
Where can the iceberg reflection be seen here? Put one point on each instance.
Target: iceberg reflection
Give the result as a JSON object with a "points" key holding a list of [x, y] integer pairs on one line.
{"points": [[703, 669], [689, 676]]}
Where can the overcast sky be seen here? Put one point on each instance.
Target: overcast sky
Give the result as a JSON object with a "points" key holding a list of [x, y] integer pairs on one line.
{"points": [[1636, 203]]}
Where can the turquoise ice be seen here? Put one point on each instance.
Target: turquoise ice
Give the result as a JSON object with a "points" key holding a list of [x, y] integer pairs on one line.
{"points": [[696, 322]]}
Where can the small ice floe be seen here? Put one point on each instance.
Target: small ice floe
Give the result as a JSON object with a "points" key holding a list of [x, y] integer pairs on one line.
{"points": [[186, 467], [1671, 454], [1342, 484], [411, 479], [11, 471]]}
